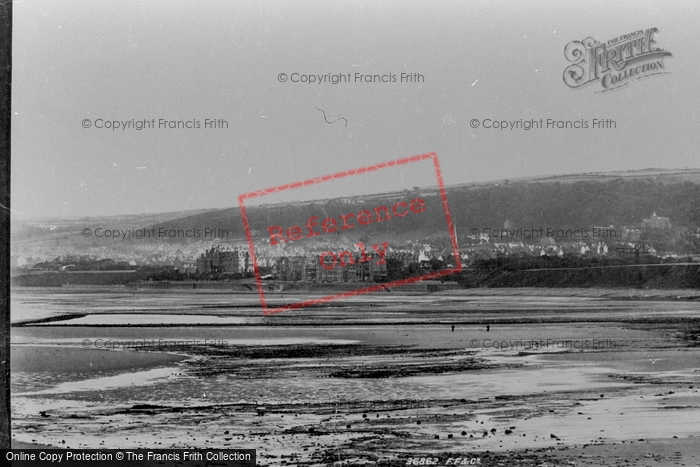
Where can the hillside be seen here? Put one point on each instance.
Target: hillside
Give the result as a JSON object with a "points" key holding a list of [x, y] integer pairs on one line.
{"points": [[665, 176], [564, 201], [540, 204]]}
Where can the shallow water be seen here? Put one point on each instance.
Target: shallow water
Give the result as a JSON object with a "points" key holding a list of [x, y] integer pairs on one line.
{"points": [[149, 319], [651, 361], [53, 370]]}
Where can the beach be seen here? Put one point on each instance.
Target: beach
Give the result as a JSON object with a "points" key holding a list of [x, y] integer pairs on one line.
{"points": [[533, 376]]}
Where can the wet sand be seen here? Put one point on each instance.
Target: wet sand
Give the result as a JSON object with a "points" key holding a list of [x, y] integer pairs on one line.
{"points": [[556, 379]]}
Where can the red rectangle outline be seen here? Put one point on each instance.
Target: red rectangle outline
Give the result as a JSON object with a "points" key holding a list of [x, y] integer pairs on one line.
{"points": [[312, 181]]}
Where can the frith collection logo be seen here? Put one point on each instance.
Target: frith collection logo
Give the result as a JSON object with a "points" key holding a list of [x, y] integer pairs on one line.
{"points": [[614, 63]]}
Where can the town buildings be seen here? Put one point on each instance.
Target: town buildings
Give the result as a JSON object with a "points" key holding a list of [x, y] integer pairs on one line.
{"points": [[321, 268], [656, 222], [301, 261], [223, 260]]}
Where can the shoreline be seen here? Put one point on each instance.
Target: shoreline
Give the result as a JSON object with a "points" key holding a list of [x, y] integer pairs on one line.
{"points": [[448, 419], [410, 387], [600, 292], [456, 307]]}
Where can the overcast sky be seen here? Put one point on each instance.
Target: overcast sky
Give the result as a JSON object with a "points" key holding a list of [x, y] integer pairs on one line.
{"points": [[189, 61]]}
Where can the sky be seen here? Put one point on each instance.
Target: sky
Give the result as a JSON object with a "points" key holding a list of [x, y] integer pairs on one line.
{"points": [[78, 65]]}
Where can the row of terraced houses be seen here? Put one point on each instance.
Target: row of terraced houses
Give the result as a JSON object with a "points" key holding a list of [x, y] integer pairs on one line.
{"points": [[218, 260]]}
